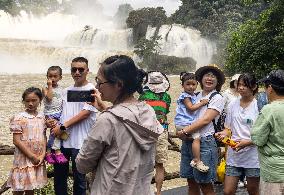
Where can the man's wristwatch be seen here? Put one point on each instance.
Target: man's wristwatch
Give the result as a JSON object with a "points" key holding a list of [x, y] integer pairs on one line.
{"points": [[62, 128]]}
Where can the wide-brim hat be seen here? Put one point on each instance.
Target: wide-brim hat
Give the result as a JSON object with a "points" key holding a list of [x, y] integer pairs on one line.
{"points": [[157, 82], [211, 68]]}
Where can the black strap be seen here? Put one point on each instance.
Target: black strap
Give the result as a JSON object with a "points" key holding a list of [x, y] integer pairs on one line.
{"points": [[213, 121]]}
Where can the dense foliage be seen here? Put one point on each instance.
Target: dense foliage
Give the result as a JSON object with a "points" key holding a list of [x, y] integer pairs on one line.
{"points": [[37, 7], [141, 18], [214, 17], [258, 45]]}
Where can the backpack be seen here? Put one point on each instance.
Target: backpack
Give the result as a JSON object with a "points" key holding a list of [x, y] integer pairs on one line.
{"points": [[262, 100]]}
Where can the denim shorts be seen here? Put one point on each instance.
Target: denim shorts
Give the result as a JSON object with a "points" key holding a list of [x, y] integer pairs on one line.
{"points": [[238, 171], [209, 156]]}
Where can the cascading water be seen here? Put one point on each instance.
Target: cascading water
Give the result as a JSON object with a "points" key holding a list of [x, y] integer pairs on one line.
{"points": [[24, 51], [180, 41], [31, 45]]}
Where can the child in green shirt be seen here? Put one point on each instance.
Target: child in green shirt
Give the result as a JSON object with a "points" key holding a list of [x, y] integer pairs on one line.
{"points": [[155, 94]]}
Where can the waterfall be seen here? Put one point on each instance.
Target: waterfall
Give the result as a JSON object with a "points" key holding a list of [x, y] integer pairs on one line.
{"points": [[31, 45], [180, 41], [26, 56], [102, 39]]}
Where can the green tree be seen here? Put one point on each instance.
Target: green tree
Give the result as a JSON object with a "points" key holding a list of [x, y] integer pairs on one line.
{"points": [[214, 17], [36, 7], [141, 18], [258, 45], [146, 47], [9, 7]]}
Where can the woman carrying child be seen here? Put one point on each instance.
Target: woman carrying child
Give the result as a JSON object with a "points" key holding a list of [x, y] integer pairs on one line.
{"points": [[242, 158], [211, 79], [28, 128], [185, 115]]}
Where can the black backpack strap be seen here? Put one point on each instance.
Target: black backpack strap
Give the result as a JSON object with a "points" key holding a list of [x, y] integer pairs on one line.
{"points": [[213, 121]]}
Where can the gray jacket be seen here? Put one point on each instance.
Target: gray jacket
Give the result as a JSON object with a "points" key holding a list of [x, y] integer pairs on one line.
{"points": [[120, 149]]}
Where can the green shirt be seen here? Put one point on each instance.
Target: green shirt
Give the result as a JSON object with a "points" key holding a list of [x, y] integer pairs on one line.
{"points": [[159, 102], [268, 135]]}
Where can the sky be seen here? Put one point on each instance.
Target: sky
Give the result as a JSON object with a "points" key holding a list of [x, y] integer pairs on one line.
{"points": [[110, 6]]}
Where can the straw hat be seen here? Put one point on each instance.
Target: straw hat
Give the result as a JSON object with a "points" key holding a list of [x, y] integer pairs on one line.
{"points": [[215, 70], [210, 68]]}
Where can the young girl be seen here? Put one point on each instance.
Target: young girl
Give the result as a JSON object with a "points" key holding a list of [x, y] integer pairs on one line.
{"points": [[243, 158], [28, 128], [155, 94], [52, 110], [185, 115]]}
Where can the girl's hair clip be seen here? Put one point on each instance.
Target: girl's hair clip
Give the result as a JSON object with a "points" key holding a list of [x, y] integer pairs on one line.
{"points": [[181, 75]]}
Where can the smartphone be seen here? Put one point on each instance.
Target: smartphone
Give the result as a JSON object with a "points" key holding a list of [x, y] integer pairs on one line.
{"points": [[80, 96]]}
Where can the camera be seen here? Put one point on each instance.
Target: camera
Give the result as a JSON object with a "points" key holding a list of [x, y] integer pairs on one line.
{"points": [[80, 96]]}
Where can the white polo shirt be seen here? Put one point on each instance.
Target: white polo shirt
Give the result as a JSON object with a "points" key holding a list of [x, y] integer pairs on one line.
{"points": [[79, 131]]}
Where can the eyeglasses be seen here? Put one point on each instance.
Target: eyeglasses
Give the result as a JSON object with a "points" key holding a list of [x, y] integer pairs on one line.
{"points": [[211, 75], [100, 83], [74, 70]]}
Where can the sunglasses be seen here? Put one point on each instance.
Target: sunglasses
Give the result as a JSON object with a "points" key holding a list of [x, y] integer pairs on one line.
{"points": [[74, 70]]}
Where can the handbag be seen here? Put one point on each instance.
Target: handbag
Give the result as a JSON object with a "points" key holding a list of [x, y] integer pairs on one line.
{"points": [[221, 169]]}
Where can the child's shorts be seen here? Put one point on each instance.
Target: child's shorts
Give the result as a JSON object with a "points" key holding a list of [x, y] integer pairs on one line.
{"points": [[195, 135], [162, 148]]}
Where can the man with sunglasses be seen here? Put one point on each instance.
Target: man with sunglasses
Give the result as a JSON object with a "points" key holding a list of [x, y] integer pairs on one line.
{"points": [[76, 119]]}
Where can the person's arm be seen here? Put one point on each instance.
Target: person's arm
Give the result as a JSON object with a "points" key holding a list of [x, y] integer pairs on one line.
{"points": [[193, 107], [100, 136], [98, 103], [242, 144], [24, 149], [44, 149], [207, 118], [82, 115], [260, 130], [215, 107], [48, 92]]}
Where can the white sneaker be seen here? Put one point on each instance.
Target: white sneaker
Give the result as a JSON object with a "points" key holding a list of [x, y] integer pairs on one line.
{"points": [[241, 184]]}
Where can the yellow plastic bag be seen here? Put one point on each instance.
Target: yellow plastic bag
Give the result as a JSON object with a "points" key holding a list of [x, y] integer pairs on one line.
{"points": [[221, 170]]}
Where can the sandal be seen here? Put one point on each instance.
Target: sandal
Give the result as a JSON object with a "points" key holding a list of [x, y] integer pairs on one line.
{"points": [[60, 158], [200, 166]]}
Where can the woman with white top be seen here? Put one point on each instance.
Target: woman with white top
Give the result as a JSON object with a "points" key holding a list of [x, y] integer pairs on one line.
{"points": [[243, 158]]}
